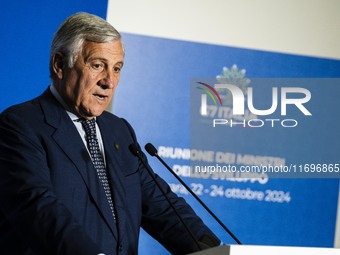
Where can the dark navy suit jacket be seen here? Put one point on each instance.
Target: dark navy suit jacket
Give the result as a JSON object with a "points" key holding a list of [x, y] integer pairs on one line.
{"points": [[51, 201]]}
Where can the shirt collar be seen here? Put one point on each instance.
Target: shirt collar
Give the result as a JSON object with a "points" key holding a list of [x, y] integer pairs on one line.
{"points": [[57, 96]]}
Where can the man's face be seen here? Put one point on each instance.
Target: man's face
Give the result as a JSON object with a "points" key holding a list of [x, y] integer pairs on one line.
{"points": [[87, 88]]}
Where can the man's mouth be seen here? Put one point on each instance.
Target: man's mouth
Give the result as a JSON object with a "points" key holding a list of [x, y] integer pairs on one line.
{"points": [[99, 96]]}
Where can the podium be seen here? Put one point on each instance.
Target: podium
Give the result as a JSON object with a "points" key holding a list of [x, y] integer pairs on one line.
{"points": [[266, 250]]}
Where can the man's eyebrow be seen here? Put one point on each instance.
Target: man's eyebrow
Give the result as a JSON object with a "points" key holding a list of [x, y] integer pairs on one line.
{"points": [[102, 59], [90, 58]]}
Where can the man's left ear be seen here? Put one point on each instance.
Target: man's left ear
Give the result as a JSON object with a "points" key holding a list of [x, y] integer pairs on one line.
{"points": [[58, 65]]}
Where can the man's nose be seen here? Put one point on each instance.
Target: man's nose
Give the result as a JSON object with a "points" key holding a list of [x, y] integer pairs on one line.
{"points": [[109, 80]]}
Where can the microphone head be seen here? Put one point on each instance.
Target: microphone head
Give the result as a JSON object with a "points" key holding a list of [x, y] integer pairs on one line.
{"points": [[151, 149], [134, 149]]}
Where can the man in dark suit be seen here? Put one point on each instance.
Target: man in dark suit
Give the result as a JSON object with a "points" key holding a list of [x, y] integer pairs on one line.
{"points": [[68, 183]]}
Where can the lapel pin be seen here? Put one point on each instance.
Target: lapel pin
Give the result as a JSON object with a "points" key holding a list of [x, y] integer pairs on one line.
{"points": [[117, 146]]}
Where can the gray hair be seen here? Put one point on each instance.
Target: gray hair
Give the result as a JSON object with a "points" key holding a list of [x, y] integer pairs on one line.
{"points": [[77, 29]]}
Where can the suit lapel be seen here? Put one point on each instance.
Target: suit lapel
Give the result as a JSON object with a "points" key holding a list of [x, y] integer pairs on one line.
{"points": [[56, 116]]}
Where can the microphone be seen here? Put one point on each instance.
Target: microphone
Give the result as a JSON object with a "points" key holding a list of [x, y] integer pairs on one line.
{"points": [[136, 152], [153, 152]]}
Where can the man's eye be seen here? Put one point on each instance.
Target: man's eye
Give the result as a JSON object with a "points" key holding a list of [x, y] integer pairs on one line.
{"points": [[117, 69], [97, 67]]}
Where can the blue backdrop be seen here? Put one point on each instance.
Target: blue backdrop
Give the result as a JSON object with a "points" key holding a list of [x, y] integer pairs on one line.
{"points": [[154, 96]]}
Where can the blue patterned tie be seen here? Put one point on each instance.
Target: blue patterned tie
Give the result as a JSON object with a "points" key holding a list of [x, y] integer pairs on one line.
{"points": [[97, 158]]}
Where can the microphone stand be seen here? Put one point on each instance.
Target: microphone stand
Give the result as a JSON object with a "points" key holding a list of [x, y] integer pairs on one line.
{"points": [[153, 152]]}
